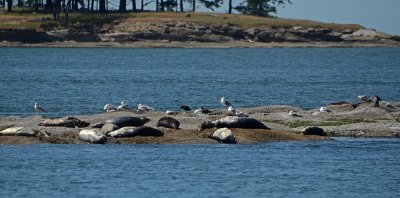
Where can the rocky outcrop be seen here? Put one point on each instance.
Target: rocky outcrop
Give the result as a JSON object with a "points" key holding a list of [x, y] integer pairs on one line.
{"points": [[186, 31]]}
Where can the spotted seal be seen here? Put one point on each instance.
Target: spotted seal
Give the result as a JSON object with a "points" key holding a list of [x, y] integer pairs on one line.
{"points": [[136, 131], [233, 122], [123, 122], [168, 122]]}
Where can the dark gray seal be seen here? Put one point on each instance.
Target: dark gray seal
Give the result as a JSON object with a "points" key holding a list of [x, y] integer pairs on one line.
{"points": [[168, 122], [314, 131], [136, 131], [124, 121], [70, 122], [233, 122]]}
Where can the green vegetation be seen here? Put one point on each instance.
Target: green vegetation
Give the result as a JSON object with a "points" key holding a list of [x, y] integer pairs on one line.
{"points": [[305, 123]]}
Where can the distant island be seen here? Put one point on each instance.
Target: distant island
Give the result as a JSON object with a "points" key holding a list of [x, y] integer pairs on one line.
{"points": [[180, 29]]}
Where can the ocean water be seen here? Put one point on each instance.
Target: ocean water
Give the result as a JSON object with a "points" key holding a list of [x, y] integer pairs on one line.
{"points": [[345, 167], [70, 81]]}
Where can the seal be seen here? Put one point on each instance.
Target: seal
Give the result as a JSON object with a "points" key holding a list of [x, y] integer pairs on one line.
{"points": [[128, 121], [168, 122], [311, 130], [70, 122], [136, 131], [93, 136], [233, 122]]}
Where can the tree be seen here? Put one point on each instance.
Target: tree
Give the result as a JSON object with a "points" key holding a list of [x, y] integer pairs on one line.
{"points": [[9, 5], [102, 6], [133, 5], [211, 4], [260, 7], [122, 5], [230, 7]]}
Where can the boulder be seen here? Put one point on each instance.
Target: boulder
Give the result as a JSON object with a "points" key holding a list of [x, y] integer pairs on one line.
{"points": [[311, 130], [93, 136], [224, 135]]}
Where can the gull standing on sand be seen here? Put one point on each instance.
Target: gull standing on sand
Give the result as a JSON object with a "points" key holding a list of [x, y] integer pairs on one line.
{"points": [[109, 108], [146, 108], [38, 108], [123, 107], [324, 109], [225, 103]]}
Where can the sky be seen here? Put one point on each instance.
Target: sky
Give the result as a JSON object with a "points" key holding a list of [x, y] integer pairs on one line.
{"points": [[382, 15]]}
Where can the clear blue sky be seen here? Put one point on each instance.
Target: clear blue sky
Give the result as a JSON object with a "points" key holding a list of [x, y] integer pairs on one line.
{"points": [[383, 15]]}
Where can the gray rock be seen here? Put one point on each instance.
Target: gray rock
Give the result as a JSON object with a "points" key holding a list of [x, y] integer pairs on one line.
{"points": [[93, 136], [311, 130], [224, 135]]}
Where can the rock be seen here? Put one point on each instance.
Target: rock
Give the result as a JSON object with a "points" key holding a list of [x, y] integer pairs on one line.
{"points": [[108, 128], [313, 131], [24, 35], [70, 122], [168, 122], [224, 135], [234, 122], [396, 38], [93, 136], [136, 131]]}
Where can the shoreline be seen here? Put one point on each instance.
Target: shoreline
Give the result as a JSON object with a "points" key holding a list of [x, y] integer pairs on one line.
{"points": [[221, 45], [363, 121]]}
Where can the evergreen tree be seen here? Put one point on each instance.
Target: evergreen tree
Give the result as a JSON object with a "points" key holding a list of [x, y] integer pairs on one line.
{"points": [[260, 7]]}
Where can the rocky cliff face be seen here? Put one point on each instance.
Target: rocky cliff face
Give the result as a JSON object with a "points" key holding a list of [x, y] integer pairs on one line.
{"points": [[131, 31]]}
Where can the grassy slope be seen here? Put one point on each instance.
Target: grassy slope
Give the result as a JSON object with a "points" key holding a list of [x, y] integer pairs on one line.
{"points": [[23, 19]]}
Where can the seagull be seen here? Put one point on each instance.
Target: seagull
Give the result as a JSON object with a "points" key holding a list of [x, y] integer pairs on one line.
{"points": [[185, 107], [234, 112], [39, 108], [364, 98], [293, 113], [225, 103], [109, 108], [171, 112], [324, 109], [123, 107], [144, 108]]}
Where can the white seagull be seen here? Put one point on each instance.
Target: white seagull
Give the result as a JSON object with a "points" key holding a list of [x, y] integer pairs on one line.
{"points": [[39, 108], [293, 113], [225, 103], [109, 108], [234, 112], [324, 109], [142, 107], [123, 107]]}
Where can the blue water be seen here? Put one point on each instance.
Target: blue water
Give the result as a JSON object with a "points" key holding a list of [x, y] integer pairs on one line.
{"points": [[342, 168], [68, 81]]}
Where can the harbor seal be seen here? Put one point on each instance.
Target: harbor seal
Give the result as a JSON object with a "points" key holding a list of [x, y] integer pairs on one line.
{"points": [[168, 122], [233, 122], [136, 131], [70, 122], [93, 136], [123, 122], [311, 130], [224, 135]]}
